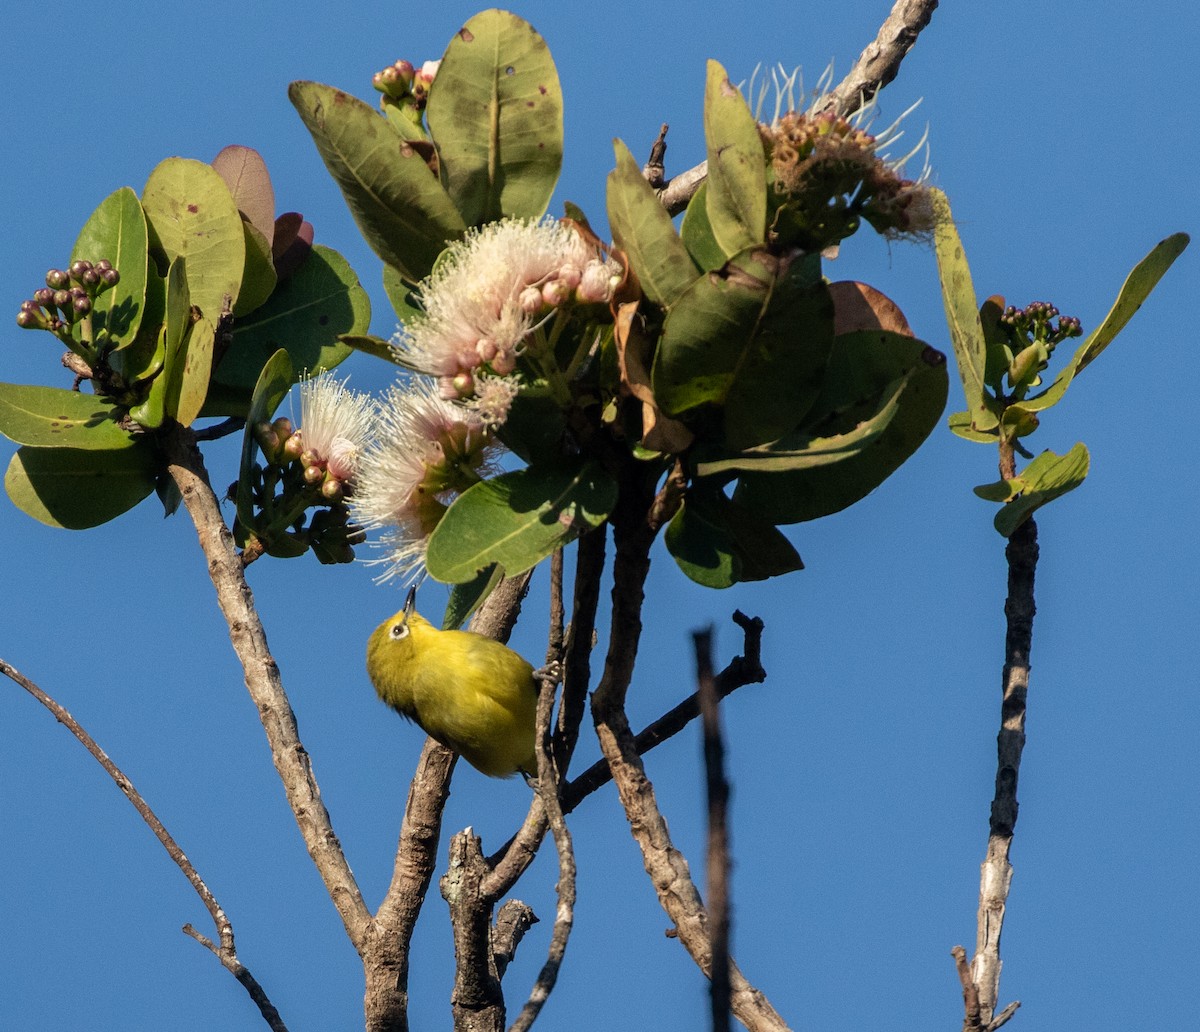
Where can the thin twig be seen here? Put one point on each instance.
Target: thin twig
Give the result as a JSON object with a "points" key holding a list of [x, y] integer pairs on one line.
{"points": [[876, 66], [742, 670], [222, 429], [225, 951], [548, 787], [996, 871], [717, 881]]}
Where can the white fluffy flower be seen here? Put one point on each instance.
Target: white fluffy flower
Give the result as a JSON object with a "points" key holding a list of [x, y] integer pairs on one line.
{"points": [[488, 293], [428, 450], [335, 425]]}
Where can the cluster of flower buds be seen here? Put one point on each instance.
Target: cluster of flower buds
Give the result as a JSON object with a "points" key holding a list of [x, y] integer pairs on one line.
{"points": [[1032, 323], [1032, 339], [67, 296], [405, 85], [829, 177]]}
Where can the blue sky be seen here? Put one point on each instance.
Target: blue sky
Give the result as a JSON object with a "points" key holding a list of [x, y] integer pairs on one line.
{"points": [[863, 767]]}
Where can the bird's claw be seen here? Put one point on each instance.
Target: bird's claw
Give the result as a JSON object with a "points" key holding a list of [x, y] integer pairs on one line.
{"points": [[551, 673]]}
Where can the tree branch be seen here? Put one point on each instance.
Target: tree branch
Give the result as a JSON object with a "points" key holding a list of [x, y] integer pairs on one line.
{"points": [[225, 951], [477, 1001], [292, 762], [996, 871], [879, 63], [548, 789], [876, 66], [717, 875], [633, 534]]}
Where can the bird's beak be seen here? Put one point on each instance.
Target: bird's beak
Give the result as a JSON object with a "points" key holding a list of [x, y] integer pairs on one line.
{"points": [[410, 602]]}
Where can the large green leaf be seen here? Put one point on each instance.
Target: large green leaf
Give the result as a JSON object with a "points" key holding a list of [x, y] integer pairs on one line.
{"points": [[496, 114], [259, 277], [401, 209], [962, 316], [272, 386], [860, 383], [642, 229], [753, 339], [737, 178], [76, 488], [801, 451], [192, 215], [305, 316], [696, 232], [517, 519], [718, 543], [1047, 477], [1134, 291], [117, 231], [49, 417]]}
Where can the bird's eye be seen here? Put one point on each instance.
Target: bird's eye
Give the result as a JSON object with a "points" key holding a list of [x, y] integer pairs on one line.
{"points": [[399, 631]]}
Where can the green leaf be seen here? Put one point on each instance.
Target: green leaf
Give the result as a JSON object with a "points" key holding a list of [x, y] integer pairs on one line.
{"points": [[259, 276], [151, 411], [517, 519], [536, 427], [368, 344], [718, 543], [496, 113], [860, 382], [306, 315], [800, 451], [117, 231], [753, 339], [400, 294], [49, 417], [1047, 477], [76, 488], [192, 215], [737, 180], [468, 597], [642, 229], [962, 315], [960, 424], [401, 209], [1136, 288], [697, 233], [195, 372], [274, 382]]}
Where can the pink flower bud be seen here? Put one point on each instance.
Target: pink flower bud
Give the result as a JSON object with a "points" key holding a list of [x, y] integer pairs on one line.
{"points": [[504, 363], [530, 301]]}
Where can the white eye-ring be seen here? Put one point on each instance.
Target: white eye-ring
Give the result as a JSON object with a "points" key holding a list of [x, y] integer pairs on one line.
{"points": [[399, 631]]}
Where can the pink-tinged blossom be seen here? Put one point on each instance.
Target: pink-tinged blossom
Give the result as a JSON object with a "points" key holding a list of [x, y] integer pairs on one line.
{"points": [[335, 426], [427, 451], [490, 291]]}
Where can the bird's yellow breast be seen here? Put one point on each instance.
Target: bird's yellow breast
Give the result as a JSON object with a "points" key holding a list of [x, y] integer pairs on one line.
{"points": [[470, 693]]}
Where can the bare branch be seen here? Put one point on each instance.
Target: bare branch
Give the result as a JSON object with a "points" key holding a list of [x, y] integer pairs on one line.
{"points": [[477, 1001], [996, 871], [512, 922], [548, 788], [876, 66], [717, 879], [666, 866], [511, 861], [292, 762], [226, 951]]}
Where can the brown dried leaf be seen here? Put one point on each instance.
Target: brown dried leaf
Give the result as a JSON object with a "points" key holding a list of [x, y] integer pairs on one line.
{"points": [[859, 306]]}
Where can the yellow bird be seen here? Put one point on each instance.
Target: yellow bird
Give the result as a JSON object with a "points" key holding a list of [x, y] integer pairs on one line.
{"points": [[468, 692]]}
